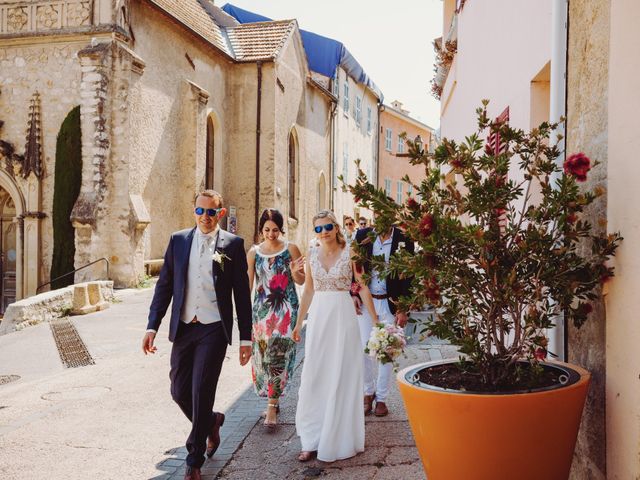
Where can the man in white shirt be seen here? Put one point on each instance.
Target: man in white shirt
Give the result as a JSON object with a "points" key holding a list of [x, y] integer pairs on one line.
{"points": [[385, 293], [203, 267]]}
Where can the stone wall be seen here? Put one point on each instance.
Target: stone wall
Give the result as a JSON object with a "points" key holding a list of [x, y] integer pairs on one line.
{"points": [[52, 70], [304, 109], [168, 115], [587, 131]]}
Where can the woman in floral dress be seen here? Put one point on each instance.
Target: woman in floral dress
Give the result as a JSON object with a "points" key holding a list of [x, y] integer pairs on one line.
{"points": [[274, 266]]}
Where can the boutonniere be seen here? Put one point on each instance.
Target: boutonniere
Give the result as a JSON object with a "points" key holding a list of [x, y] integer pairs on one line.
{"points": [[401, 245], [219, 258]]}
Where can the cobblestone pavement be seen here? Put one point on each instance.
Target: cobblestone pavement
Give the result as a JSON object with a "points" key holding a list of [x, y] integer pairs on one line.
{"points": [[116, 420], [390, 451], [250, 452]]}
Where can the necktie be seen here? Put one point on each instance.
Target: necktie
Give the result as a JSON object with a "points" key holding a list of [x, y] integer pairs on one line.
{"points": [[205, 241]]}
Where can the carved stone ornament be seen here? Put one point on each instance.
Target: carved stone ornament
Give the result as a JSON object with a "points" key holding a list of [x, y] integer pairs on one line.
{"points": [[33, 149]]}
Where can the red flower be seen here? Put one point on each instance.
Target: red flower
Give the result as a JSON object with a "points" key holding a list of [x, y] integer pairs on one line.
{"points": [[284, 324], [411, 203], [271, 392], [426, 224], [431, 289], [571, 218], [457, 164], [278, 281], [355, 288], [577, 165], [359, 267], [540, 353]]}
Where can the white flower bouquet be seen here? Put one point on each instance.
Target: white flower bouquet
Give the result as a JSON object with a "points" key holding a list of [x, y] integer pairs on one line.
{"points": [[386, 343]]}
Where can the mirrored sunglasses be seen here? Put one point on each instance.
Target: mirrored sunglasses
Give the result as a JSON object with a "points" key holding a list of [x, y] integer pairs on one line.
{"points": [[212, 212], [328, 227]]}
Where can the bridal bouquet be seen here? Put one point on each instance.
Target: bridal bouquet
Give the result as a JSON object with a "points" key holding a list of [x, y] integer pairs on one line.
{"points": [[386, 342]]}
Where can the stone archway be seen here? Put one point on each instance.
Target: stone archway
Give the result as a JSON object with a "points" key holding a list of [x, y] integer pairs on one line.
{"points": [[11, 237]]}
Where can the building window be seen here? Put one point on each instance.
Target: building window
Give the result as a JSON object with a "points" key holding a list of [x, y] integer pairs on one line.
{"points": [[369, 125], [345, 99], [345, 162], [399, 192], [387, 186], [409, 190], [400, 144], [358, 111], [387, 139], [293, 193], [336, 85], [209, 168]]}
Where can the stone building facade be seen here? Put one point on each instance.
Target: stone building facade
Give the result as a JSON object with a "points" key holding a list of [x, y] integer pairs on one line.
{"points": [[396, 127], [173, 96]]}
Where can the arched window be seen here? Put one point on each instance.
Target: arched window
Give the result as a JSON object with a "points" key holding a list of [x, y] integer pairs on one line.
{"points": [[210, 155], [293, 175]]}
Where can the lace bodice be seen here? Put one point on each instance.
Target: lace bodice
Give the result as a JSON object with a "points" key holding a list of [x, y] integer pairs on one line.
{"points": [[339, 275]]}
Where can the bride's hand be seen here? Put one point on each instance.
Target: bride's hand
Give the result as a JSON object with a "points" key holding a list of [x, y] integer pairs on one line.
{"points": [[295, 335], [375, 320]]}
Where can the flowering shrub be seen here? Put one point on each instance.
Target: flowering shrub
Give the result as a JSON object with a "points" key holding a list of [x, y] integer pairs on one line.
{"points": [[386, 343], [501, 250]]}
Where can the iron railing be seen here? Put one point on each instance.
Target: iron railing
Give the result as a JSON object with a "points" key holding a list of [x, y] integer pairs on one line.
{"points": [[103, 259]]}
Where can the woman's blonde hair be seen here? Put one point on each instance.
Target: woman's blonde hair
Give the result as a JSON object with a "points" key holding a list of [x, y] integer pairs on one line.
{"points": [[330, 215]]}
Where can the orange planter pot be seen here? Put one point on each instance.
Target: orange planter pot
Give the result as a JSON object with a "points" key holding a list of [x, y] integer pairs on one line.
{"points": [[466, 436]]}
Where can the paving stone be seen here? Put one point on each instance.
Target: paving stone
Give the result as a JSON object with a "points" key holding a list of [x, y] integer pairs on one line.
{"points": [[404, 472]]}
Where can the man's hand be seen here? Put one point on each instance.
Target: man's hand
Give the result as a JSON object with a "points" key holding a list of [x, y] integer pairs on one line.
{"points": [[357, 302], [147, 343], [401, 319], [245, 354]]}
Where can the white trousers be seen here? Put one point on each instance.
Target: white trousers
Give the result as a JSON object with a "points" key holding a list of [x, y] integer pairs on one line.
{"points": [[375, 385]]}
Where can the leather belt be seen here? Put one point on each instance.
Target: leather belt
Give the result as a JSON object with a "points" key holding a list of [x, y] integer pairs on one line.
{"points": [[380, 297]]}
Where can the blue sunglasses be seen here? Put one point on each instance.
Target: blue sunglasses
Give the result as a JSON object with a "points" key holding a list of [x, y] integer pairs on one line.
{"points": [[328, 227], [212, 212]]}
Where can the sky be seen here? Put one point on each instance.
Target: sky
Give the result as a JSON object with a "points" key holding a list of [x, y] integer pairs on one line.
{"points": [[391, 40]]}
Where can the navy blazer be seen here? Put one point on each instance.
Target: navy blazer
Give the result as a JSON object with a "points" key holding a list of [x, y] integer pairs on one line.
{"points": [[229, 279], [396, 287]]}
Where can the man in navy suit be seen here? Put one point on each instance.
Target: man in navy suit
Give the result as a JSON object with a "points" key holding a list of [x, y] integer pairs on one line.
{"points": [[203, 267]]}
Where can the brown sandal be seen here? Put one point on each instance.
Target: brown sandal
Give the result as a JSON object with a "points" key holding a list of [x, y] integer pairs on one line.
{"points": [[306, 456]]}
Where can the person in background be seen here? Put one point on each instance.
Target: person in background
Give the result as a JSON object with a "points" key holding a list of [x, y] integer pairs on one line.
{"points": [[362, 223], [349, 229], [385, 293]]}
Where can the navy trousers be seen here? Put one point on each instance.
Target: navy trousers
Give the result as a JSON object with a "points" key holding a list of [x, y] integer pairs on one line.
{"points": [[196, 360]]}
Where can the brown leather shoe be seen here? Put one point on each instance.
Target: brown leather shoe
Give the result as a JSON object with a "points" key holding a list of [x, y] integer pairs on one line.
{"points": [[213, 441], [381, 410], [368, 404], [192, 473]]}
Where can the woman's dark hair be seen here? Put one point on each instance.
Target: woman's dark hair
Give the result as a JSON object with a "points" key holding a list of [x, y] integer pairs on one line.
{"points": [[275, 216]]}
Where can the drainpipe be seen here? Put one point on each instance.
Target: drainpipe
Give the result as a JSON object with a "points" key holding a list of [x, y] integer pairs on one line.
{"points": [[332, 150], [258, 112], [378, 127], [558, 336]]}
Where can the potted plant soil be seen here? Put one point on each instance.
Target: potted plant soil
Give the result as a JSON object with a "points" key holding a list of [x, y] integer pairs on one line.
{"points": [[502, 250]]}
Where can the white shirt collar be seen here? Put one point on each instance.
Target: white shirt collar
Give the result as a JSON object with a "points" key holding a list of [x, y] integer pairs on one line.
{"points": [[212, 235]]}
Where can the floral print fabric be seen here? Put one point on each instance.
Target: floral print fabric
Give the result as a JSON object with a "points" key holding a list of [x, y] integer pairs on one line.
{"points": [[275, 312]]}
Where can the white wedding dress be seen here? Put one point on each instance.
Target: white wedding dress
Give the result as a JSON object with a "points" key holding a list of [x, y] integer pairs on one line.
{"points": [[329, 416]]}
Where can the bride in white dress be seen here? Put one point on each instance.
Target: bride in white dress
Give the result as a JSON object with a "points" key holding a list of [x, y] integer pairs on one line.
{"points": [[329, 416]]}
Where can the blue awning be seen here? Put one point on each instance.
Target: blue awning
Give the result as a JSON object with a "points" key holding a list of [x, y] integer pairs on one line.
{"points": [[323, 54]]}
